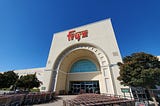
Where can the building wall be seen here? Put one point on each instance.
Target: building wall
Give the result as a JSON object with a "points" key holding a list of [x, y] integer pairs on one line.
{"points": [[158, 57], [39, 74], [100, 42], [99, 46], [95, 76]]}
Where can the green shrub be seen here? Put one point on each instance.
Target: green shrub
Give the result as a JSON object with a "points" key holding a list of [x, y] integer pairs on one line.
{"points": [[35, 90]]}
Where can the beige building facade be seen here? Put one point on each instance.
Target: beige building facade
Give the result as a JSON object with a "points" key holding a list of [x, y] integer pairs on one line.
{"points": [[83, 59]]}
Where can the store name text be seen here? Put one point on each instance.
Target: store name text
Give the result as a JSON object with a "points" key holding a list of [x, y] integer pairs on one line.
{"points": [[77, 35]]}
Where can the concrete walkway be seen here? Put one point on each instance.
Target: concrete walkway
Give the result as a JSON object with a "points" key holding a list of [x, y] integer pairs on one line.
{"points": [[59, 102]]}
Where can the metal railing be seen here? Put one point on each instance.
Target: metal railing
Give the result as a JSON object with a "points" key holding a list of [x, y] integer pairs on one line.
{"points": [[99, 100], [25, 99]]}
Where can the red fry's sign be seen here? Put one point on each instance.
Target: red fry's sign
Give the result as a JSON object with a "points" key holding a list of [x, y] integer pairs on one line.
{"points": [[77, 35]]}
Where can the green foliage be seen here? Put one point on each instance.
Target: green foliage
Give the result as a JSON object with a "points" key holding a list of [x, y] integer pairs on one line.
{"points": [[7, 79], [10, 78], [140, 69], [34, 90], [1, 80], [28, 81]]}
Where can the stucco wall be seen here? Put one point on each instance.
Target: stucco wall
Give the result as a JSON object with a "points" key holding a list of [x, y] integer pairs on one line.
{"points": [[39, 74], [101, 36]]}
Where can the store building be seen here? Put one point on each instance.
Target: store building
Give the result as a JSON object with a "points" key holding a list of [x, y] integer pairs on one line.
{"points": [[83, 59]]}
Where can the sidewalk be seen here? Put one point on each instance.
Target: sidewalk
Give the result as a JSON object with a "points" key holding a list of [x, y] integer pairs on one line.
{"points": [[59, 102]]}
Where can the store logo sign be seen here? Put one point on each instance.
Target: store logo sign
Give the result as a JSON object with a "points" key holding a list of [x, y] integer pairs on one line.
{"points": [[77, 35]]}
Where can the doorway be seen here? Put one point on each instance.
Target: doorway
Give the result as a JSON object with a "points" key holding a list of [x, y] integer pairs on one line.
{"points": [[77, 87]]}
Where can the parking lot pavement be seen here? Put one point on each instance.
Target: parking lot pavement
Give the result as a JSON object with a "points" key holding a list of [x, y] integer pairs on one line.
{"points": [[58, 102]]}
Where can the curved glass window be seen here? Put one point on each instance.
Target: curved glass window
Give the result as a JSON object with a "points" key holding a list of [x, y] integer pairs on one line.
{"points": [[83, 65]]}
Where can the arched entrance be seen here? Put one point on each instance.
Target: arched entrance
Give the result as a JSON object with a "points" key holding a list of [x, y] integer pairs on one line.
{"points": [[68, 77]]}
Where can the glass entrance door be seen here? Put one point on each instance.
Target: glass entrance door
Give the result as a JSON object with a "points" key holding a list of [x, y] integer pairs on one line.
{"points": [[77, 87]]}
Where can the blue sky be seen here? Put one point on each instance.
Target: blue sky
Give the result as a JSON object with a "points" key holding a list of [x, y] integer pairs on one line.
{"points": [[27, 26]]}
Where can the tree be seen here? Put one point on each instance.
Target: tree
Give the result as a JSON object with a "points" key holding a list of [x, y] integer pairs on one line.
{"points": [[28, 81], [1, 80], [140, 69], [9, 78]]}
